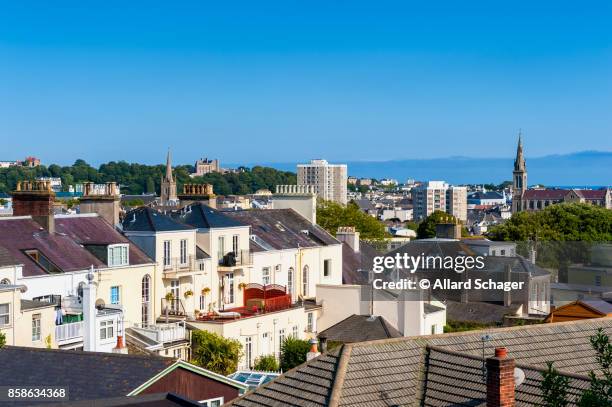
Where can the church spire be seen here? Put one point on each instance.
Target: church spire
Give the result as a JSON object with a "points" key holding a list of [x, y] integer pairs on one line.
{"points": [[519, 162], [169, 167]]}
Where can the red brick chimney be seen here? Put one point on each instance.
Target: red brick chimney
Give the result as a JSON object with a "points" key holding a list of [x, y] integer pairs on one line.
{"points": [[35, 199], [500, 379]]}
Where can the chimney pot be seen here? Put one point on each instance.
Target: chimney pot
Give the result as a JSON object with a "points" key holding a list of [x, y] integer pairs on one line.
{"points": [[501, 352]]}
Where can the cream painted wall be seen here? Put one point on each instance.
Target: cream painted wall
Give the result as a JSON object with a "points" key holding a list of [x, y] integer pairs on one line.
{"points": [[19, 330], [256, 328]]}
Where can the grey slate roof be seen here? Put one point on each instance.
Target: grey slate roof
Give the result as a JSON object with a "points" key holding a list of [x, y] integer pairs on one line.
{"points": [[283, 228], [360, 328], [436, 370], [146, 400], [89, 375], [203, 216], [355, 266], [145, 219]]}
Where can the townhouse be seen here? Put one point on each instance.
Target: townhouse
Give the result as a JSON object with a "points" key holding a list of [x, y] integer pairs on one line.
{"points": [[248, 275], [56, 252]]}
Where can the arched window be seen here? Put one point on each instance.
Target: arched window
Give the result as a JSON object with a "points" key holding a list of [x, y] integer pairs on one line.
{"points": [[146, 298], [305, 281], [290, 281], [5, 281]]}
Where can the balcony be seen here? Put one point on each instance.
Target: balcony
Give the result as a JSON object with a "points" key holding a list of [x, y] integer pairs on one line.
{"points": [[69, 333], [176, 267], [233, 260], [163, 333], [258, 300], [173, 307]]}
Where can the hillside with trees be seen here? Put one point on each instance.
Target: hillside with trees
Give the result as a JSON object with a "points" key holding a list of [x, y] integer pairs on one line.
{"points": [[139, 178]]}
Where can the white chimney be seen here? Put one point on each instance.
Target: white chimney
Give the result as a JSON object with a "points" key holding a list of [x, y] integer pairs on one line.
{"points": [[350, 236], [314, 351], [89, 313]]}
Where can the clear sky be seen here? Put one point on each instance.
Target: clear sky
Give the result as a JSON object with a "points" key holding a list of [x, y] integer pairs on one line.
{"points": [[278, 81]]}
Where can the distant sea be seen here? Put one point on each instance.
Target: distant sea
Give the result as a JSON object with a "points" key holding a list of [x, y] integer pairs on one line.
{"points": [[584, 168]]}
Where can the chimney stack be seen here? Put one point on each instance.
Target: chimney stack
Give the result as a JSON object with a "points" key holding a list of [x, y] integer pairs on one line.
{"points": [[314, 351], [449, 229], [120, 348], [350, 236], [102, 199], [35, 199], [500, 379]]}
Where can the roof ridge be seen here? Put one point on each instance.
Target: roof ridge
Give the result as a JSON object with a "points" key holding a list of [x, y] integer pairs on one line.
{"points": [[147, 212], [81, 353], [341, 369], [470, 333]]}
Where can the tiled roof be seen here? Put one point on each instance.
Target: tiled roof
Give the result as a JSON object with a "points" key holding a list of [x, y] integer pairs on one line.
{"points": [[145, 219], [283, 228], [65, 248], [360, 328], [481, 312], [18, 234], [6, 258], [203, 216], [545, 193], [144, 400], [88, 375], [94, 230], [436, 370]]}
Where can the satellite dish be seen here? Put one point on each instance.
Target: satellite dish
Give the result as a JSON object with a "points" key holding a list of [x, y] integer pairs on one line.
{"points": [[519, 377], [100, 303]]}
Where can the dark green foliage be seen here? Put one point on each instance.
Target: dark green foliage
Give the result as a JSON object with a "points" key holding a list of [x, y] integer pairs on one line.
{"points": [[331, 215], [600, 392], [462, 326], [214, 352], [293, 352], [137, 178], [266, 363], [427, 228], [554, 387], [561, 222], [2, 339]]}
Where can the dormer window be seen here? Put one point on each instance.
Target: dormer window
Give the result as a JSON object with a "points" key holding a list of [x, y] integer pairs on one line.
{"points": [[118, 255]]}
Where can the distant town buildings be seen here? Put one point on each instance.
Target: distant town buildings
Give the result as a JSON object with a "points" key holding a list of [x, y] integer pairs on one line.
{"points": [[328, 180], [27, 162], [524, 199], [439, 196], [205, 166]]}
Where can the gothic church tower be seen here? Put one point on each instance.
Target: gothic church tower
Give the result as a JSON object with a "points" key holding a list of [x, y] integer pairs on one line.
{"points": [[519, 178], [168, 184]]}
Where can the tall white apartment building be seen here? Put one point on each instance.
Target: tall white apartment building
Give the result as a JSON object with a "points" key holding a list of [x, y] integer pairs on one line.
{"points": [[329, 180], [439, 196]]}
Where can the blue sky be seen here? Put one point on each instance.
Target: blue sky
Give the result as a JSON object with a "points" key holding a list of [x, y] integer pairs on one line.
{"points": [[278, 81]]}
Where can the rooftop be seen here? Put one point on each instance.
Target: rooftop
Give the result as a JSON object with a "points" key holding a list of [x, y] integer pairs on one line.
{"points": [[360, 328], [440, 370], [145, 219]]}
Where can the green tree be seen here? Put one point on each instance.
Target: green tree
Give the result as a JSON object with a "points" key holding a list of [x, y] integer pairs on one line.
{"points": [[331, 215], [214, 352], [600, 392], [554, 387], [2, 339], [293, 352], [562, 222], [266, 363], [427, 228]]}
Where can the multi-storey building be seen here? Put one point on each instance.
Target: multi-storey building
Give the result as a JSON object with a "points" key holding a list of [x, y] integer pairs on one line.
{"points": [[253, 278], [329, 180], [205, 166], [57, 252], [439, 196]]}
